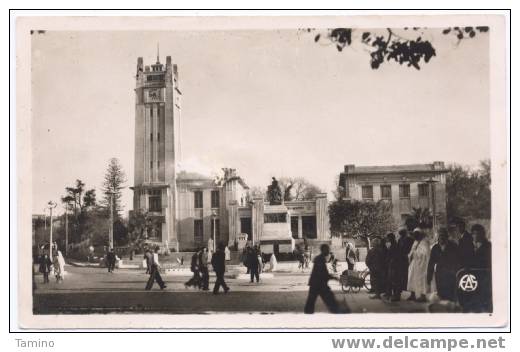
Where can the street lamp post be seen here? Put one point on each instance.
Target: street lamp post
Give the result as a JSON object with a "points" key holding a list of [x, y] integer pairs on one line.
{"points": [[431, 182], [111, 228], [214, 218], [45, 219], [66, 229], [51, 205]]}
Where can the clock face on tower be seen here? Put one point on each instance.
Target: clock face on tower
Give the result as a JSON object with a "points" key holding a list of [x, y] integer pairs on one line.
{"points": [[154, 95]]}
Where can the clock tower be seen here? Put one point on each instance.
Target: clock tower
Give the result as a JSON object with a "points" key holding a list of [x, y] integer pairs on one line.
{"points": [[157, 105]]}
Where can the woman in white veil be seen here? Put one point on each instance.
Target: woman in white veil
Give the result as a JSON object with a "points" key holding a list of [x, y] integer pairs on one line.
{"points": [[59, 266]]}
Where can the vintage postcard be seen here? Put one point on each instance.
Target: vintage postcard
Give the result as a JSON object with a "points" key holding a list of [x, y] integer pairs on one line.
{"points": [[262, 172]]}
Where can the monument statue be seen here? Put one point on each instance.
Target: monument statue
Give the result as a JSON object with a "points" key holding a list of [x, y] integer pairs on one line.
{"points": [[274, 193]]}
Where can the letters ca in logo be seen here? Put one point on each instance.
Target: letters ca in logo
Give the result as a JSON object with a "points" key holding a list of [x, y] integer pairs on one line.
{"points": [[468, 283]]}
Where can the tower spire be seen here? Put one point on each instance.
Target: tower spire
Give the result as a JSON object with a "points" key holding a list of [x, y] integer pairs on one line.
{"points": [[158, 52]]}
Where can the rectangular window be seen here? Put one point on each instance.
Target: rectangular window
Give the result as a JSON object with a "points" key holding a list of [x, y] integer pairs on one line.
{"points": [[424, 190], [215, 199], [404, 191], [154, 204], [154, 200], [386, 192], [158, 137], [151, 137], [198, 231], [151, 164], [151, 112], [198, 199], [367, 192]]}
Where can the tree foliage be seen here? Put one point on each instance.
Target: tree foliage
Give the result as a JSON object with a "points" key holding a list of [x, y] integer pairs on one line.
{"points": [[114, 183], [290, 189], [353, 218], [297, 188], [420, 217], [140, 226], [81, 202], [405, 46], [469, 192]]}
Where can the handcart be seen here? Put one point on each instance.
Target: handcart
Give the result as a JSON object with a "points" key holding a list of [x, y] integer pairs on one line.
{"points": [[353, 280]]}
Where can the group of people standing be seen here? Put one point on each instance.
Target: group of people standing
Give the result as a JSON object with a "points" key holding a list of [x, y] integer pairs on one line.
{"points": [[410, 263], [51, 263]]}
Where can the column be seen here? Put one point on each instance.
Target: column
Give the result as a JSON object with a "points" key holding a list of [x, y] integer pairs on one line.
{"points": [[257, 219], [233, 221], [155, 143], [300, 227], [322, 217], [166, 211]]}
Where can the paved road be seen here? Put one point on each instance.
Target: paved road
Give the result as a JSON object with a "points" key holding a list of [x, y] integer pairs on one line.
{"points": [[93, 290]]}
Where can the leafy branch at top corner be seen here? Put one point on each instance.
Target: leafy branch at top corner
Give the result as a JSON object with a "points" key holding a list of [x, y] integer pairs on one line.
{"points": [[465, 32], [388, 46]]}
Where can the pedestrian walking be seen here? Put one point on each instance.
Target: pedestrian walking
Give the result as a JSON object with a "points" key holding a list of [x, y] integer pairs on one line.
{"points": [[218, 261], [261, 261], [404, 246], [148, 259], [227, 253], [300, 256], [417, 273], [333, 262], [245, 258], [443, 266], [350, 256], [252, 261], [272, 262], [45, 267], [203, 262], [155, 275], [111, 260], [376, 263], [318, 283], [195, 280], [59, 266]]}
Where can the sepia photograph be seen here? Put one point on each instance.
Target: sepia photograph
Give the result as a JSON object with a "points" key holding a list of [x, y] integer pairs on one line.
{"points": [[273, 172]]}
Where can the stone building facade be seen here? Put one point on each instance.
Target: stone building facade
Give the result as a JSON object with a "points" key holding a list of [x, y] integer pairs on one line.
{"points": [[185, 210], [405, 186]]}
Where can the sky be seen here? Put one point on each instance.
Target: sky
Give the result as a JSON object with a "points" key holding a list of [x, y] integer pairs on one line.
{"points": [[268, 103]]}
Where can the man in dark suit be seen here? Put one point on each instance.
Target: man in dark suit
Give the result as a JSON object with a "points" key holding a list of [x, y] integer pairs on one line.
{"points": [[218, 261], [466, 246], [318, 283], [111, 260]]}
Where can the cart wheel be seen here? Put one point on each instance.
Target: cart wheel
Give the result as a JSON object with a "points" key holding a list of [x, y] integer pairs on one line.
{"points": [[368, 284], [344, 288]]}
